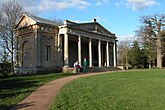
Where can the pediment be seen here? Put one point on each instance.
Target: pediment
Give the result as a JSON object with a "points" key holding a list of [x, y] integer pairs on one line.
{"points": [[94, 28], [25, 21]]}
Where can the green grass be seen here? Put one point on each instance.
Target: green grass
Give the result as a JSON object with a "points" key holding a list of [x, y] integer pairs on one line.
{"points": [[129, 90], [14, 89]]}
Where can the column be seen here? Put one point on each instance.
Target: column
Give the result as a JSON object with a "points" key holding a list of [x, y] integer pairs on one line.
{"points": [[79, 50], [90, 52], [66, 55], [99, 52], [58, 42], [114, 53], [107, 47], [37, 50], [60, 60]]}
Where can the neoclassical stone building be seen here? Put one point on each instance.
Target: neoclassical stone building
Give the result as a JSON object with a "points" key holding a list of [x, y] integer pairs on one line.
{"points": [[44, 45]]}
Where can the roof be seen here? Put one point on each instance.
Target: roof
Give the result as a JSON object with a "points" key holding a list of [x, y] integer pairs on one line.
{"points": [[38, 20], [42, 20]]}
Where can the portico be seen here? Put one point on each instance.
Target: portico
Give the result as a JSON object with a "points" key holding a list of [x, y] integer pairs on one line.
{"points": [[86, 40]]}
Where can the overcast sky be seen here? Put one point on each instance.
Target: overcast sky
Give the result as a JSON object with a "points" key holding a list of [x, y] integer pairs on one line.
{"points": [[118, 16]]}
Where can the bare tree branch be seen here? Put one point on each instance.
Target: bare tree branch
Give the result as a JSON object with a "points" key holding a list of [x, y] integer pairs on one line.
{"points": [[10, 13]]}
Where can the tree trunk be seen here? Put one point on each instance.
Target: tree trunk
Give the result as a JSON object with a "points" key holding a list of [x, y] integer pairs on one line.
{"points": [[159, 52], [150, 67], [12, 52]]}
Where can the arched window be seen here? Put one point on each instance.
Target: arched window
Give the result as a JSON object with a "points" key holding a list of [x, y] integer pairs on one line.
{"points": [[26, 45]]}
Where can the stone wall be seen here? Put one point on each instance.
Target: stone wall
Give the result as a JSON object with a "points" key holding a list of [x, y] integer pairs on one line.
{"points": [[36, 49]]}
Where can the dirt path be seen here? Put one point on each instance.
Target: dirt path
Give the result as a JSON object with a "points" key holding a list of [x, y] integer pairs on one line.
{"points": [[41, 98]]}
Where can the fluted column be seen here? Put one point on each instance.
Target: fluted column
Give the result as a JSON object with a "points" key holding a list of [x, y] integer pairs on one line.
{"points": [[90, 52], [107, 48], [66, 55], [79, 50], [99, 53]]}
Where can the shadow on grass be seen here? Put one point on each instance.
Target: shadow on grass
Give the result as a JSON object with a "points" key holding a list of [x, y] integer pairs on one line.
{"points": [[15, 107], [14, 88], [16, 83], [10, 89], [19, 106]]}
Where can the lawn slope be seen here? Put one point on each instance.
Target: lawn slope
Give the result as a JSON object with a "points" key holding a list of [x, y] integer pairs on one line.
{"points": [[129, 90]]}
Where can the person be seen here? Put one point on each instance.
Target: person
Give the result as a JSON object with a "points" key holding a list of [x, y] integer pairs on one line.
{"points": [[77, 66], [85, 63], [105, 64]]}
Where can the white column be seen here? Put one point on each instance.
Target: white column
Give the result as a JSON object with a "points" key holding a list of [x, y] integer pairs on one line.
{"points": [[66, 55], [114, 53], [99, 53], [79, 50], [107, 47], [90, 52]]}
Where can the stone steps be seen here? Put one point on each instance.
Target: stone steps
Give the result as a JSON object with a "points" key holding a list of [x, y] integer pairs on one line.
{"points": [[102, 69], [91, 69]]}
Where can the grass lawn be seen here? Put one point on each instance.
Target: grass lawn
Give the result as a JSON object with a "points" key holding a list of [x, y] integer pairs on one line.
{"points": [[128, 90], [14, 89]]}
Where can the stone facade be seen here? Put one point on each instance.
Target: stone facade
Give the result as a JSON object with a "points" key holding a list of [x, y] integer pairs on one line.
{"points": [[44, 45]]}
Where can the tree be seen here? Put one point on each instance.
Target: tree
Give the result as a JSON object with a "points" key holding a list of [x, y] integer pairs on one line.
{"points": [[163, 46], [10, 13], [123, 48], [148, 43], [5, 66], [157, 22], [136, 56]]}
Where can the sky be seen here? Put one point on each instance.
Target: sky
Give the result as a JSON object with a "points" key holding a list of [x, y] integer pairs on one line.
{"points": [[120, 17]]}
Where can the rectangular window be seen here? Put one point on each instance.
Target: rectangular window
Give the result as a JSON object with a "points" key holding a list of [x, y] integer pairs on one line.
{"points": [[48, 52]]}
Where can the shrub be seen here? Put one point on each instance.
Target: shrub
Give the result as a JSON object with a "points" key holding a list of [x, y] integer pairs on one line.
{"points": [[5, 68]]}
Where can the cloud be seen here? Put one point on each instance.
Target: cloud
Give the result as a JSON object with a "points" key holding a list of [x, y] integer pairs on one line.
{"points": [[39, 6], [118, 4], [126, 38], [140, 4], [47, 5], [101, 2]]}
